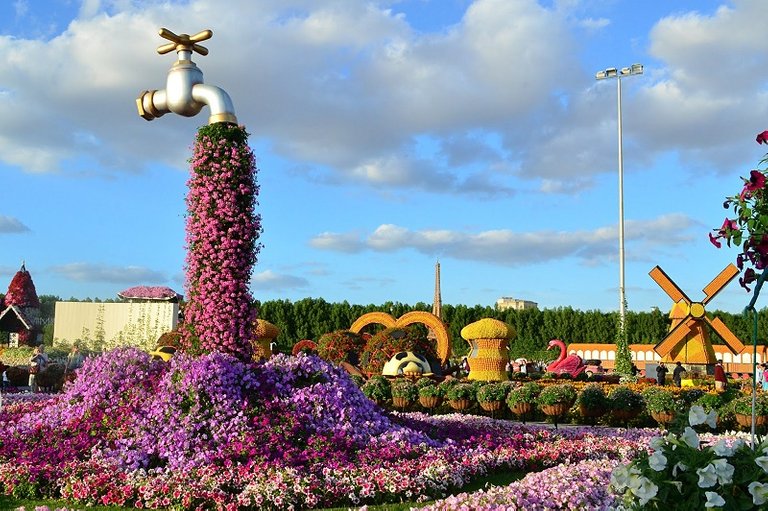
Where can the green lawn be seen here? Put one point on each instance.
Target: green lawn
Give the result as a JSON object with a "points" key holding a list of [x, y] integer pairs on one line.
{"points": [[502, 478]]}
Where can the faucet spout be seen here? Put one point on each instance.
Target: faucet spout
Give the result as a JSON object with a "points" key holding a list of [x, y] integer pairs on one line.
{"points": [[218, 101], [185, 93]]}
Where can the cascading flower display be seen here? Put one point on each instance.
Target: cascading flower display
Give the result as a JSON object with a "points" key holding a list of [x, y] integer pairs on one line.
{"points": [[749, 229], [222, 233], [214, 432]]}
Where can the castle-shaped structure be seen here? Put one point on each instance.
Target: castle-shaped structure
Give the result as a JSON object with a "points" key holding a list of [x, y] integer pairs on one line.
{"points": [[20, 311]]}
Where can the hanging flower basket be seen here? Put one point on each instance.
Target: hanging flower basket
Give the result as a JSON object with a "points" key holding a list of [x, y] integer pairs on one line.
{"points": [[522, 408], [491, 406], [745, 421], [400, 402], [663, 418], [430, 402], [625, 415], [555, 410], [460, 404], [590, 412]]}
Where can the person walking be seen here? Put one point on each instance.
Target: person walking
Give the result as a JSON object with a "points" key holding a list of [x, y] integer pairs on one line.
{"points": [[37, 363], [677, 374], [661, 373], [720, 379]]}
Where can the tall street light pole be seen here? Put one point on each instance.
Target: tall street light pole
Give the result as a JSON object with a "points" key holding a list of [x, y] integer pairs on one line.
{"points": [[612, 72]]}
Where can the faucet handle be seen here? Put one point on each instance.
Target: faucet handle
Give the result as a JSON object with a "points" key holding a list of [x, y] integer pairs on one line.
{"points": [[183, 42]]}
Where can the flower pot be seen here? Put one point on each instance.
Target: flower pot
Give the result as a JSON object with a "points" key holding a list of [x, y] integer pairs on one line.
{"points": [[625, 415], [556, 409], [664, 417], [460, 404], [491, 406], [589, 413], [430, 401], [745, 421], [400, 402], [522, 408]]}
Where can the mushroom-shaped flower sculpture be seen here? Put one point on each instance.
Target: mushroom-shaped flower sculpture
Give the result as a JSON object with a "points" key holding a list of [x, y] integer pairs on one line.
{"points": [[489, 349]]}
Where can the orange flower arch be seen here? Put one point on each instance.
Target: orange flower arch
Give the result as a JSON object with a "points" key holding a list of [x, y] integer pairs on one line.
{"points": [[425, 318]]}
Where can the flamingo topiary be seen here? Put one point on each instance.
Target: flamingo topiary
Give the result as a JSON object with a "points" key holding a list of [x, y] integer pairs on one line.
{"points": [[571, 364]]}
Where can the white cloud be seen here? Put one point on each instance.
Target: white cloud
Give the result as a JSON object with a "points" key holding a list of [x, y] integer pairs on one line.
{"points": [[9, 224], [89, 272], [348, 89], [510, 248], [269, 280]]}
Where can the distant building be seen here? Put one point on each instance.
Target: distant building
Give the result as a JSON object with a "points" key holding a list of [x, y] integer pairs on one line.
{"points": [[507, 302]]}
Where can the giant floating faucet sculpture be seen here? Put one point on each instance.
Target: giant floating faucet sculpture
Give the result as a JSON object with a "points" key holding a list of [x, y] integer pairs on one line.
{"points": [[222, 227], [185, 93]]}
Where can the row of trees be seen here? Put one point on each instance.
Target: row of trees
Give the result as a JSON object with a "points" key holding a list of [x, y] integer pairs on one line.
{"points": [[310, 318]]}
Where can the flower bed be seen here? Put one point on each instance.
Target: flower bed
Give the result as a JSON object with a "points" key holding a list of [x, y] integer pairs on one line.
{"points": [[294, 431]]}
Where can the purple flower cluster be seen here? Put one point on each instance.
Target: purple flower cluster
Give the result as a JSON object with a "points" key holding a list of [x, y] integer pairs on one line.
{"points": [[222, 230], [578, 486], [149, 293]]}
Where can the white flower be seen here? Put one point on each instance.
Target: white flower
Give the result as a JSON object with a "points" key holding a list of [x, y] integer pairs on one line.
{"points": [[690, 437], [722, 448], [707, 476], [724, 471], [678, 485], [620, 477], [657, 461], [697, 415], [643, 488], [759, 492], [679, 466], [657, 443], [762, 462], [714, 499]]}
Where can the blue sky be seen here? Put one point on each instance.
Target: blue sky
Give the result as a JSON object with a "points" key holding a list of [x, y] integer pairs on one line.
{"points": [[389, 135]]}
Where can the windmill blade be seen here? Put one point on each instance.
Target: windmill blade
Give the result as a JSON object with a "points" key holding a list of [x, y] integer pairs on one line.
{"points": [[669, 287], [677, 334], [734, 343], [719, 282]]}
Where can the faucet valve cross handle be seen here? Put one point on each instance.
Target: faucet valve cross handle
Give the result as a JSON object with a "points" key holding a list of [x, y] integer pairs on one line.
{"points": [[184, 42]]}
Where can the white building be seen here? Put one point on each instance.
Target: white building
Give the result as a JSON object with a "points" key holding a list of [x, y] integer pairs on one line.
{"points": [[507, 302]]}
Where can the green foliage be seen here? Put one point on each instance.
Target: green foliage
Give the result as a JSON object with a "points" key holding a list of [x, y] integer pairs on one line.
{"points": [[557, 394], [593, 397], [460, 391], [377, 388], [341, 346], [16, 356], [491, 392], [527, 393], [743, 405], [658, 399], [430, 390], [405, 389], [626, 399], [623, 353]]}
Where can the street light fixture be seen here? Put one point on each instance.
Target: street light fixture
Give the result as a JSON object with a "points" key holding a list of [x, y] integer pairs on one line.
{"points": [[612, 72]]}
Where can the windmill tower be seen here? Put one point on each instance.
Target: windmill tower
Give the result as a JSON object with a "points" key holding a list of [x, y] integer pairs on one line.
{"points": [[688, 339]]}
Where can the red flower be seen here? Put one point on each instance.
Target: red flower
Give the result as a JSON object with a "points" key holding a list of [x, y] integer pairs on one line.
{"points": [[756, 182], [762, 138]]}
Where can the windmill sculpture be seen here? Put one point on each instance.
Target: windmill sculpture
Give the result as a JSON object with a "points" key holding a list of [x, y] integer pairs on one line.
{"points": [[688, 339]]}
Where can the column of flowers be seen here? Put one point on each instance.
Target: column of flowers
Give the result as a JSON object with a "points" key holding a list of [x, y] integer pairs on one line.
{"points": [[222, 233]]}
